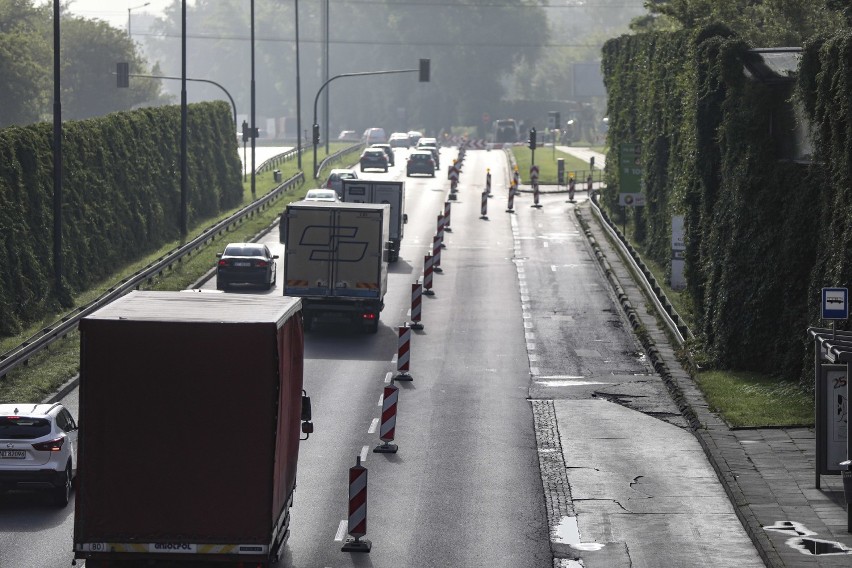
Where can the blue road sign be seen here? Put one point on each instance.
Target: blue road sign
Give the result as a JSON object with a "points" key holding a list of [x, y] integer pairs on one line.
{"points": [[835, 303]]}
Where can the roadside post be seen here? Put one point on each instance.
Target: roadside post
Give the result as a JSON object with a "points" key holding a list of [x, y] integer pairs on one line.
{"points": [[403, 356], [416, 306], [488, 181], [427, 275], [560, 172]]}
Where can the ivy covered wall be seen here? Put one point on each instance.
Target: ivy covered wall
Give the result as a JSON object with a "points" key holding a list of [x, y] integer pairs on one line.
{"points": [[120, 197], [710, 154]]}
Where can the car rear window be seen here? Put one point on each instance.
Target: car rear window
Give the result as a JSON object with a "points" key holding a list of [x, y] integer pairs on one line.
{"points": [[243, 251], [23, 428]]}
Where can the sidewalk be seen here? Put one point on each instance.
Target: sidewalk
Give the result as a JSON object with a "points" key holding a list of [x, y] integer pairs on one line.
{"points": [[768, 473]]}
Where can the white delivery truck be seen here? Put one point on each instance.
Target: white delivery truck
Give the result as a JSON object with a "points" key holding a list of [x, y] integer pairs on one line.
{"points": [[375, 191], [336, 260]]}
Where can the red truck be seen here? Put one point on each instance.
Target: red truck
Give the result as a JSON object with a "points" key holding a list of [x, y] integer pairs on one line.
{"points": [[190, 413]]}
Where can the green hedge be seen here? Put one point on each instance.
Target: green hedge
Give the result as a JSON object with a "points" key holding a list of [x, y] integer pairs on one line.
{"points": [[708, 154], [120, 197]]}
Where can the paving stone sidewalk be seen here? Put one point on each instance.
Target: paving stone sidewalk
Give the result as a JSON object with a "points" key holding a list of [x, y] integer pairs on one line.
{"points": [[768, 473]]}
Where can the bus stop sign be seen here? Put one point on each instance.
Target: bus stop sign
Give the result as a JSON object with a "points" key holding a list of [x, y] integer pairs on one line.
{"points": [[835, 303]]}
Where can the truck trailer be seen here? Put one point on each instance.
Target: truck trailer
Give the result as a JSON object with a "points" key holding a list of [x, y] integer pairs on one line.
{"points": [[190, 412], [377, 191], [336, 260]]}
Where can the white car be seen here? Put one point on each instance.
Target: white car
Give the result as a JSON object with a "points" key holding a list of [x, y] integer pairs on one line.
{"points": [[38, 449], [321, 195]]}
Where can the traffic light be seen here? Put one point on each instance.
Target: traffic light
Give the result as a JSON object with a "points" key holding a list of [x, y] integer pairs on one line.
{"points": [[122, 75], [245, 131], [424, 70], [316, 134], [532, 138]]}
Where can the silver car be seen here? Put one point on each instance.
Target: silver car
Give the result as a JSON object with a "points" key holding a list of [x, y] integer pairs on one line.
{"points": [[335, 180]]}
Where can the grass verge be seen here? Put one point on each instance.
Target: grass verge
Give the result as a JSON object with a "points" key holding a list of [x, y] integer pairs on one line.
{"points": [[47, 371], [546, 161], [744, 399]]}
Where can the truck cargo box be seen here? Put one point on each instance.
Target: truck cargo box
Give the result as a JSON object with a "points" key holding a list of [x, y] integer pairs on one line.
{"points": [[381, 191], [190, 407], [335, 259]]}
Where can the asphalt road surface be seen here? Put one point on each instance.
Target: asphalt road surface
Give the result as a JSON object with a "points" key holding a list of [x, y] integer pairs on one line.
{"points": [[527, 429]]}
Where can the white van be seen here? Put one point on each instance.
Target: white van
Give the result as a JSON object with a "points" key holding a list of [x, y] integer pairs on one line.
{"points": [[374, 136]]}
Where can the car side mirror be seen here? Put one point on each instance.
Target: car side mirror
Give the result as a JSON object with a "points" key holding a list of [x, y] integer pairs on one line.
{"points": [[306, 407], [405, 217], [274, 256], [218, 255]]}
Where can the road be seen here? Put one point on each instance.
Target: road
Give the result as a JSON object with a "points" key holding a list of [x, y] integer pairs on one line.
{"points": [[534, 425]]}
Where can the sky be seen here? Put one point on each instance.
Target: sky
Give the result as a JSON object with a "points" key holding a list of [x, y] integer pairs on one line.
{"points": [[115, 11]]}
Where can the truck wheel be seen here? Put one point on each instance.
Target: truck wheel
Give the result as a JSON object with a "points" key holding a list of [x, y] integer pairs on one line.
{"points": [[62, 494], [220, 285], [373, 327]]}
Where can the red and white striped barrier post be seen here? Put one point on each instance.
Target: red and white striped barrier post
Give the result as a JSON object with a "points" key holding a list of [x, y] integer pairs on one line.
{"points": [[427, 275], [447, 206], [387, 430], [483, 210], [416, 301], [436, 254], [439, 232], [488, 181], [535, 195], [357, 524], [511, 206], [403, 355]]}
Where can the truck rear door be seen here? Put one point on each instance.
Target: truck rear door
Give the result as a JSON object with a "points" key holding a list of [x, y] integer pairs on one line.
{"points": [[391, 193], [310, 250], [357, 249]]}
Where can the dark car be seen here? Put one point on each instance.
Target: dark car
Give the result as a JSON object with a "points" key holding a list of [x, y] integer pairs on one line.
{"points": [[374, 158], [245, 263], [432, 147], [388, 150], [420, 162]]}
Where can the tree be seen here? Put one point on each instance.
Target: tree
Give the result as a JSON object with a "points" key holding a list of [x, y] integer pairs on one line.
{"points": [[24, 57]]}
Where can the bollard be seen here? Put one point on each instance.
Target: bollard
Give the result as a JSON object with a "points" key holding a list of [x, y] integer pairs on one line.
{"points": [[403, 356], [427, 275], [357, 525], [535, 196], [416, 299], [436, 254], [488, 181], [511, 207], [387, 430], [447, 206], [483, 210], [440, 230]]}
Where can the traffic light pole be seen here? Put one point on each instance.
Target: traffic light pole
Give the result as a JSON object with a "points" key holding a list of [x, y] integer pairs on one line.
{"points": [[315, 126]]}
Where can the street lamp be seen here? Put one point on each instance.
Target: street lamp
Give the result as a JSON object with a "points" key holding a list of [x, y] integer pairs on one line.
{"points": [[128, 16], [424, 78]]}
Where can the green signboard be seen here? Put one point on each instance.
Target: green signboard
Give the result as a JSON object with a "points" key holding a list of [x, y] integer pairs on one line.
{"points": [[629, 161]]}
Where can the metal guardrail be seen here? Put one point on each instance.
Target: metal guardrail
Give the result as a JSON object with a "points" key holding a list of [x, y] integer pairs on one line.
{"points": [[278, 160], [646, 279], [68, 323], [336, 155]]}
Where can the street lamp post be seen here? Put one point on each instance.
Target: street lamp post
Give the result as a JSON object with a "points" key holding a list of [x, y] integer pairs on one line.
{"points": [[298, 95], [424, 77], [128, 16], [253, 124], [57, 156]]}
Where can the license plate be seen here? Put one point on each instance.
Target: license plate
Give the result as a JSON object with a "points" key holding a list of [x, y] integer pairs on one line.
{"points": [[242, 264], [13, 454]]}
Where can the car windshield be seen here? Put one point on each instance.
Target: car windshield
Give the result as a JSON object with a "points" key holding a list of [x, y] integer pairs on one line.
{"points": [[243, 251], [24, 428]]}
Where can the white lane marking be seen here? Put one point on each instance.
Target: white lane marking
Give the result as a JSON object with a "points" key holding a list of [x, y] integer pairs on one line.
{"points": [[341, 530], [381, 398], [529, 335], [388, 378], [528, 324], [534, 371], [373, 425], [546, 244], [553, 267], [364, 452], [530, 346]]}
